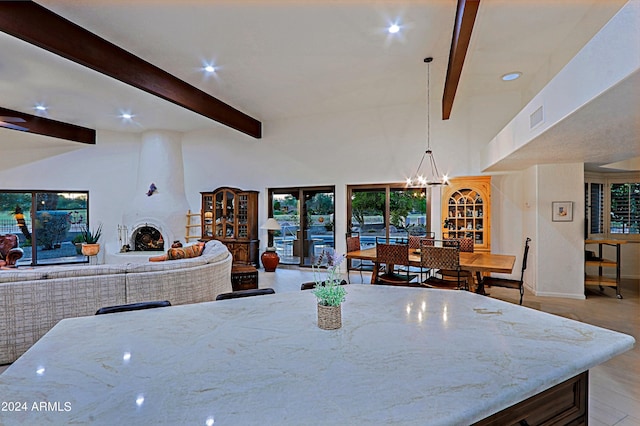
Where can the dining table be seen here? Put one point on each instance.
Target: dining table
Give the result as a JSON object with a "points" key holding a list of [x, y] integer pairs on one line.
{"points": [[477, 263], [404, 356]]}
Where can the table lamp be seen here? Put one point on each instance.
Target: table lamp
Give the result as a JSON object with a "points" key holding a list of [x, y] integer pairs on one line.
{"points": [[270, 258]]}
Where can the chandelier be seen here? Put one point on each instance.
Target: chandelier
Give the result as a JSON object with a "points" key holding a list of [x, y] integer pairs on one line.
{"points": [[432, 176]]}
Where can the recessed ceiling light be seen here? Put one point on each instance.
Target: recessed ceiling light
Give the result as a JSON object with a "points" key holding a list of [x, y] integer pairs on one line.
{"points": [[511, 76], [126, 116], [209, 68], [394, 28], [40, 108]]}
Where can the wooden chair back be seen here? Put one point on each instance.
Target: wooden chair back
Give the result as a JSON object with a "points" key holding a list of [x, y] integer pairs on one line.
{"points": [[396, 254], [465, 244], [353, 242], [415, 241], [434, 257]]}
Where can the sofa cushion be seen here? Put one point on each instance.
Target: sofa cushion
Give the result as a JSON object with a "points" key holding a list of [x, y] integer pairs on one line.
{"points": [[215, 251], [133, 268], [54, 272], [19, 274]]}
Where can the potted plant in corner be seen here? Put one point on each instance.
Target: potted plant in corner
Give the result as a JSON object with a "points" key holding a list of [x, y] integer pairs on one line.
{"points": [[90, 246], [329, 293]]}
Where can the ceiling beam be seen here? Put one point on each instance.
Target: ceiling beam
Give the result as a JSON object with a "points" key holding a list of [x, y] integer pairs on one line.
{"points": [[465, 18], [53, 128], [37, 25]]}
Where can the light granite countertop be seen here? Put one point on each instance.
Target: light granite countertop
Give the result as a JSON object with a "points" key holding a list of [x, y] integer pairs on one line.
{"points": [[403, 356]]}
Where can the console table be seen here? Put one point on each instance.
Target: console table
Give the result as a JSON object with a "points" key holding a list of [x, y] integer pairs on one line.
{"points": [[407, 356]]}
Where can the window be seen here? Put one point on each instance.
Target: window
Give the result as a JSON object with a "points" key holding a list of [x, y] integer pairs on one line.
{"points": [[612, 206], [594, 205], [625, 208], [47, 224], [387, 210]]}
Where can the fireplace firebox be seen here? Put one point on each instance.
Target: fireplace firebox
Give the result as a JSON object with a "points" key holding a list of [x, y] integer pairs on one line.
{"points": [[147, 238]]}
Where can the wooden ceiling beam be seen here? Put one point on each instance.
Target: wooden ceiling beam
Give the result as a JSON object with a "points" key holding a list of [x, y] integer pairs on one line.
{"points": [[53, 128], [39, 26], [465, 18]]}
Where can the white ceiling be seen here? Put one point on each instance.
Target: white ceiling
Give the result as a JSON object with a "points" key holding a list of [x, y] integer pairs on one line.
{"points": [[286, 58]]}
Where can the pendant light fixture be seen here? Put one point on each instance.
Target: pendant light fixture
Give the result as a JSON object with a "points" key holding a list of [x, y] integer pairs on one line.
{"points": [[432, 176]]}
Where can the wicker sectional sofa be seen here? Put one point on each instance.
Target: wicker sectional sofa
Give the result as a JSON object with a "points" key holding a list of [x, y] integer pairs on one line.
{"points": [[33, 300]]}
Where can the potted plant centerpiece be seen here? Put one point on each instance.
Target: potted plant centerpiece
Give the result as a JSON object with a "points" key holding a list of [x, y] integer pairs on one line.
{"points": [[90, 246], [329, 293]]}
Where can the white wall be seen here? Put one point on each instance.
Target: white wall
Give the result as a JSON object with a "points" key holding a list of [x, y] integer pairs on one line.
{"points": [[560, 249], [107, 170], [379, 145], [368, 146], [608, 58]]}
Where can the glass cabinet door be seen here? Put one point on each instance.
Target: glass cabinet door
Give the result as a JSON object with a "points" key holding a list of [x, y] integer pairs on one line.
{"points": [[243, 216], [207, 207], [219, 214], [230, 214]]}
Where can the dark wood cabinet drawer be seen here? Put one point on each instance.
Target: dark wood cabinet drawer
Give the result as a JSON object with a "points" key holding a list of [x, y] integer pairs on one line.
{"points": [[563, 404]]}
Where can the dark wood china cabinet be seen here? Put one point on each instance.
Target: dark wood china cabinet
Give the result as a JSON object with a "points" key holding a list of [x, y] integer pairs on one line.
{"points": [[231, 216]]}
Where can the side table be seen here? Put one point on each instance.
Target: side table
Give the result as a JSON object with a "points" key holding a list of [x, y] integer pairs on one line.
{"points": [[244, 277], [600, 280]]}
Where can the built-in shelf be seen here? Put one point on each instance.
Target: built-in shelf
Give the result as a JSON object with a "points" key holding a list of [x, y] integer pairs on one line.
{"points": [[466, 210]]}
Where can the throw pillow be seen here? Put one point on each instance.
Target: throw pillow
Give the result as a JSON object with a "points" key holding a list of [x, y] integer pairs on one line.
{"points": [[194, 250]]}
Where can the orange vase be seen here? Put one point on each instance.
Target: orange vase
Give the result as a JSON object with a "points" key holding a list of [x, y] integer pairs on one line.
{"points": [[90, 249]]}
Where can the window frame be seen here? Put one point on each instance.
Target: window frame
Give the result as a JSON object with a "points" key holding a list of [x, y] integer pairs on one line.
{"points": [[32, 220], [388, 188], [607, 179]]}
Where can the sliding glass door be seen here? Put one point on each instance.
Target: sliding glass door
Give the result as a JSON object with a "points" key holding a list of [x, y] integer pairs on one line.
{"points": [[306, 215]]}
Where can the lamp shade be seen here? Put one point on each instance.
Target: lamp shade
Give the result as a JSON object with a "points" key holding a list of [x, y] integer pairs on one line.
{"points": [[271, 225]]}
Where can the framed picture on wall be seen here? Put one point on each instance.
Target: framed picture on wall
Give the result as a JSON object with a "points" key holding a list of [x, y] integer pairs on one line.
{"points": [[562, 211]]}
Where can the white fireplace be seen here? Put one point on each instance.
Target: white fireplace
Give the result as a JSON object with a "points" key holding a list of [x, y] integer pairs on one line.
{"points": [[163, 209]]}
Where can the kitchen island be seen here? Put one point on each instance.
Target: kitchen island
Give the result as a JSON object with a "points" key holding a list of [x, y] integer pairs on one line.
{"points": [[403, 356]]}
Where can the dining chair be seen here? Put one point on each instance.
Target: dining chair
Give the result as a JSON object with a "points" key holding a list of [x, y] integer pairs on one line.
{"points": [[133, 307], [510, 283], [416, 240], [245, 293], [312, 284], [466, 246], [442, 256], [353, 244], [391, 255]]}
